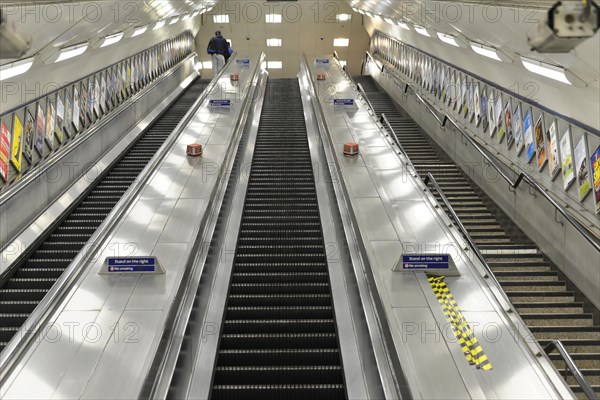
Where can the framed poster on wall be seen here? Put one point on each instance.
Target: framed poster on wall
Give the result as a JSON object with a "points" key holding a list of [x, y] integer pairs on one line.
{"points": [[97, 98], [76, 110], [476, 113], [582, 168], [68, 122], [518, 129], [17, 144], [484, 111], [500, 118], [566, 159], [50, 120], [540, 144], [491, 106], [40, 130], [103, 105], [595, 161], [552, 143], [4, 151], [528, 138], [29, 137], [60, 115]]}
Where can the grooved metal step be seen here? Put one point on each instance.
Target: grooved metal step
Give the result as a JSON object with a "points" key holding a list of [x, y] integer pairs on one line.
{"points": [[279, 336], [27, 285]]}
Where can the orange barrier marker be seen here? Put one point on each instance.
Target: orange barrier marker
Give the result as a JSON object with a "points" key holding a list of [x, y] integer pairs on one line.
{"points": [[351, 149], [194, 150]]}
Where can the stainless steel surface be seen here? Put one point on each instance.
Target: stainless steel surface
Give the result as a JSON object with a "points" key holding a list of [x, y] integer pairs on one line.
{"points": [[420, 226], [571, 367], [427, 158], [46, 275], [119, 243], [159, 381], [34, 195]]}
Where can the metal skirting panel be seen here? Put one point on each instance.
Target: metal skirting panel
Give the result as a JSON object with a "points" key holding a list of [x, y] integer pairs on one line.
{"points": [[537, 218], [58, 174], [117, 321], [399, 217]]}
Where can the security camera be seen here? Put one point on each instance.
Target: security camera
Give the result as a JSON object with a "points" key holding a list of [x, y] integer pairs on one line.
{"points": [[567, 25], [13, 42]]}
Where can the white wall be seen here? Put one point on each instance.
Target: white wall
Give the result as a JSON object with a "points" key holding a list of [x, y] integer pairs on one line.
{"points": [[307, 26]]}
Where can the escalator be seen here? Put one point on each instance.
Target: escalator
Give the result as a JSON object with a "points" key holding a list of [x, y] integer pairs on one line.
{"points": [[21, 292], [278, 336], [546, 300]]}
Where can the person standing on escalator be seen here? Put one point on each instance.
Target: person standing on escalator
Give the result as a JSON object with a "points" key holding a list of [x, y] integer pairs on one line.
{"points": [[218, 48]]}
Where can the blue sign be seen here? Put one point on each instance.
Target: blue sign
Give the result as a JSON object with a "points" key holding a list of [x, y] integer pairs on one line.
{"points": [[242, 61], [131, 264], [426, 261], [322, 61], [220, 103], [343, 102]]}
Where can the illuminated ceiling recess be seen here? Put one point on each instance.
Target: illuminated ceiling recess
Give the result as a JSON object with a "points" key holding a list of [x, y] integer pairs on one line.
{"points": [[15, 68]]}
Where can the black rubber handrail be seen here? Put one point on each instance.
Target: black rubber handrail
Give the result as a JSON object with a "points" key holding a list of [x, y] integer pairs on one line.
{"points": [[571, 367], [497, 164], [369, 55]]}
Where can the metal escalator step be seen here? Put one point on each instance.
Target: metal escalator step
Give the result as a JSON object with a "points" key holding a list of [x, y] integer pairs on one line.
{"points": [[279, 340], [31, 280], [279, 312], [271, 356], [279, 391], [285, 374], [276, 299]]}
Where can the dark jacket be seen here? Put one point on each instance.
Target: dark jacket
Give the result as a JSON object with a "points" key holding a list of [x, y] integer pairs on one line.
{"points": [[218, 45]]}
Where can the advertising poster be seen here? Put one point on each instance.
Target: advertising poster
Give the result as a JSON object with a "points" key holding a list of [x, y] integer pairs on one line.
{"points": [[29, 137], [540, 144], [596, 178], [50, 120], [465, 97], [444, 85], [552, 143], [499, 118], [566, 159], [68, 122], [528, 131], [17, 144], [40, 130], [4, 151], [76, 110], [484, 116], [476, 109], [452, 92], [470, 94], [97, 97], [492, 113], [60, 115], [582, 165], [518, 129], [123, 82], [83, 103], [91, 100], [103, 105]]}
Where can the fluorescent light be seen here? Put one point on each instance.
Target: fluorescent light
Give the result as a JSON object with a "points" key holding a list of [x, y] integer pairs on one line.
{"points": [[447, 39], [274, 42], [370, 14], [207, 64], [15, 68], [221, 19], [389, 20], [174, 21], [403, 25], [139, 30], [274, 64], [485, 51], [549, 71], [343, 17], [159, 25], [185, 17], [342, 63], [72, 51], [195, 14], [341, 42], [422, 31], [273, 18], [112, 39]]}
